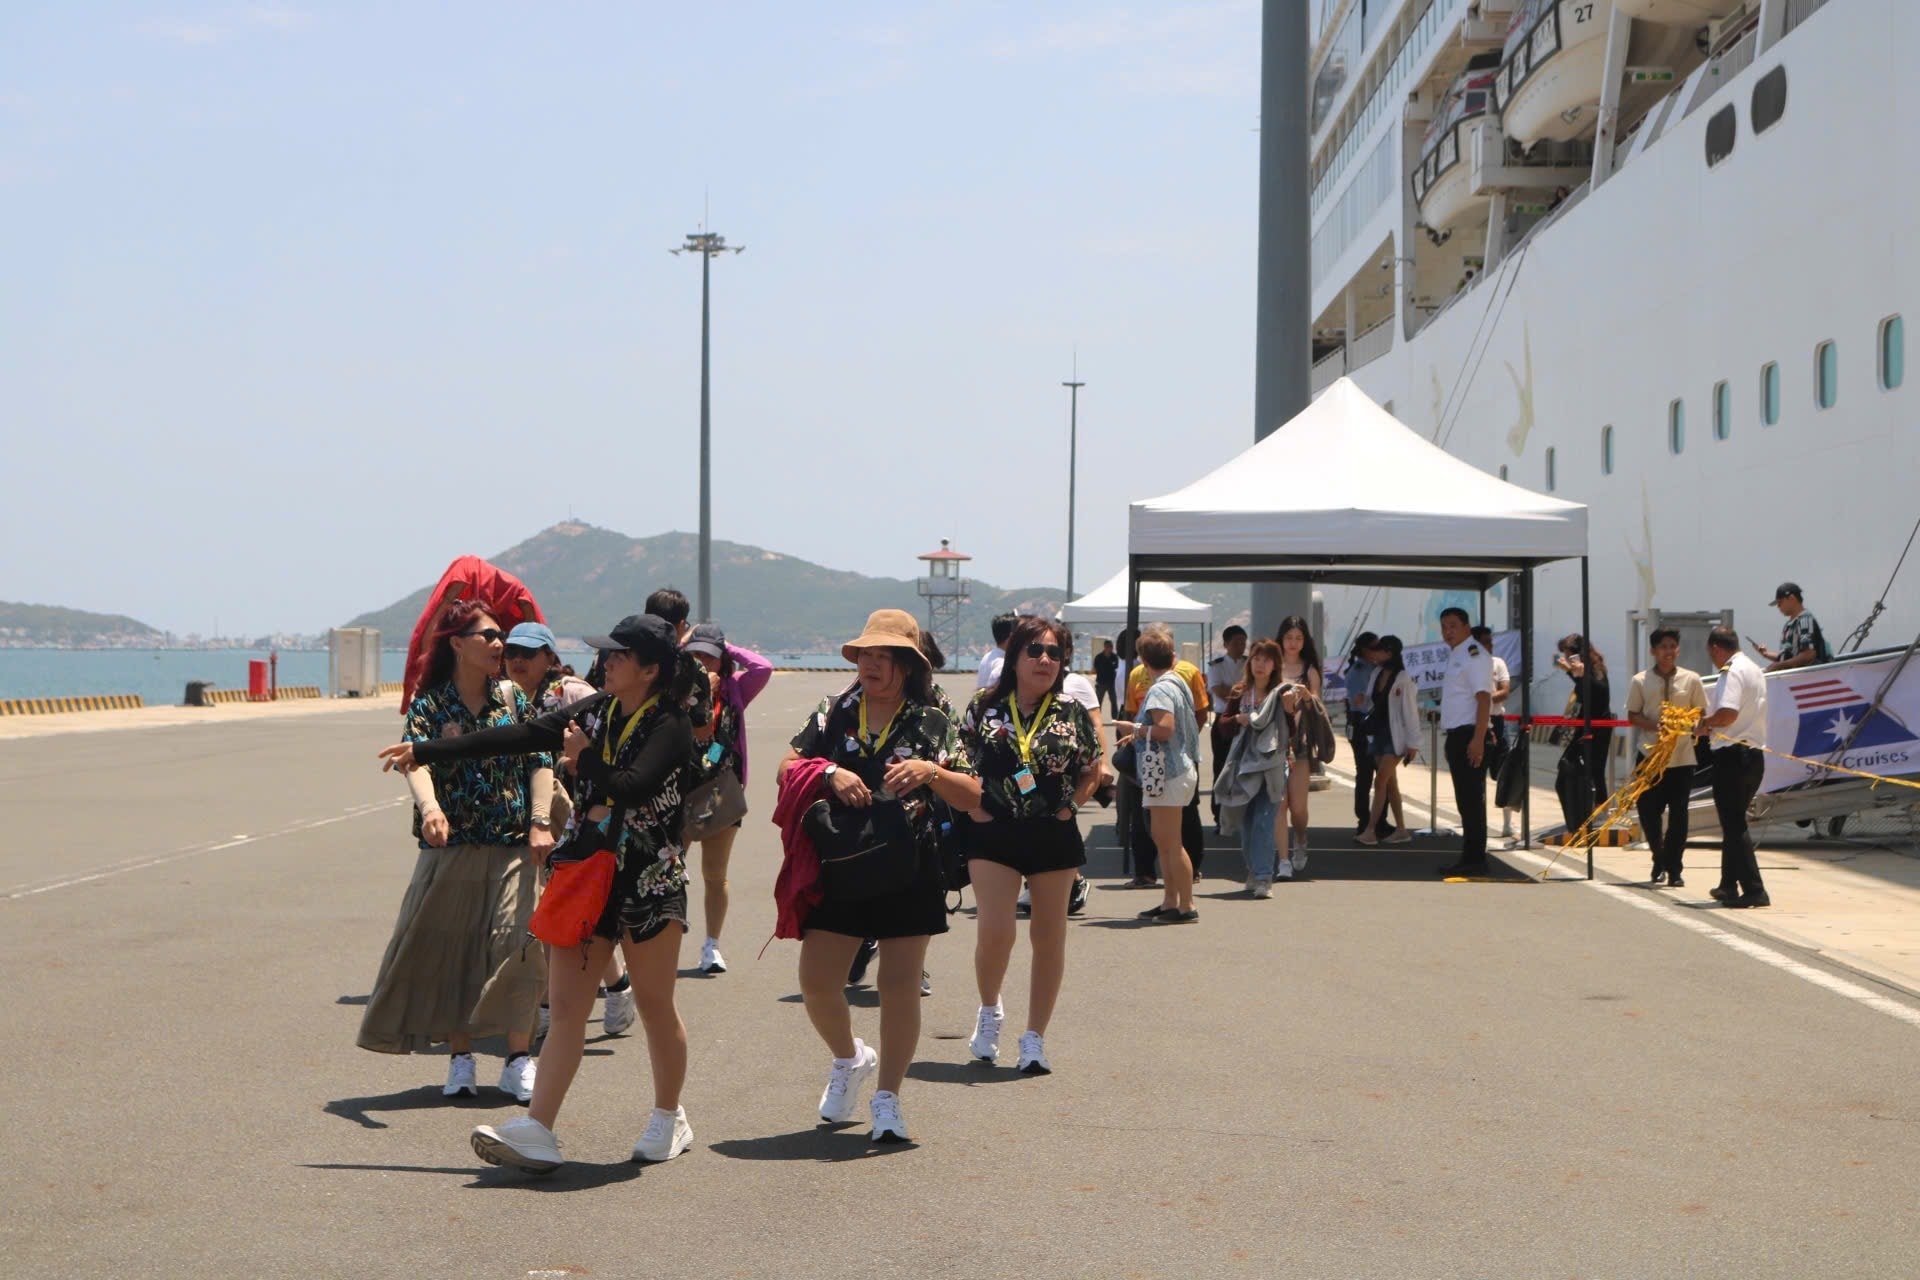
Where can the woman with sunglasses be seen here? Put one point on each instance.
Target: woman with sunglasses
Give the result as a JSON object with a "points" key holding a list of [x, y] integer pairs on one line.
{"points": [[1037, 756], [885, 741], [533, 663], [631, 747], [456, 968]]}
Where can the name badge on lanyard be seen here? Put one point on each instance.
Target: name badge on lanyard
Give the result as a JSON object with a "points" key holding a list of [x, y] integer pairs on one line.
{"points": [[1023, 739]]}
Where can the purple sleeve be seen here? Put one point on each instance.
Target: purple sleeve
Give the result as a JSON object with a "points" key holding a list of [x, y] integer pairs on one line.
{"points": [[751, 672]]}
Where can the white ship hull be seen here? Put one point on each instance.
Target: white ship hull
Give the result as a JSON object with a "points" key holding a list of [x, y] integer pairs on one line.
{"points": [[1666, 280]]}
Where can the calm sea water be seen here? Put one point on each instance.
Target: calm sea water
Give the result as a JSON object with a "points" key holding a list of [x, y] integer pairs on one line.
{"points": [[160, 676]]}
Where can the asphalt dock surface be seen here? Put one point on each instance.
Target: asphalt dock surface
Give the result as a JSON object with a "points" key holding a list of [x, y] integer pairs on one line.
{"points": [[1374, 1073]]}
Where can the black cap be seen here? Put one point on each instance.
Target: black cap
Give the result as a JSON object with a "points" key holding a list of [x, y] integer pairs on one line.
{"points": [[647, 636], [1787, 589], [706, 638]]}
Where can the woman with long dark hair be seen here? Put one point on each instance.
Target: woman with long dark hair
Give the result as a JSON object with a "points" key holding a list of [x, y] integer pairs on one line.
{"points": [[455, 969], [1299, 666], [1588, 669], [631, 746], [1036, 753], [737, 676], [884, 741], [1394, 734]]}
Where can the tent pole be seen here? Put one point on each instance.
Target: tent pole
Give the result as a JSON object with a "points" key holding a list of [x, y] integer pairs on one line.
{"points": [[1523, 740], [1129, 646], [1483, 606], [1586, 690]]}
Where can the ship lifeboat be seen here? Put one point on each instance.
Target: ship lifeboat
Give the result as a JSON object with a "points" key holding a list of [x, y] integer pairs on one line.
{"points": [[1443, 176], [1677, 13], [1550, 69]]}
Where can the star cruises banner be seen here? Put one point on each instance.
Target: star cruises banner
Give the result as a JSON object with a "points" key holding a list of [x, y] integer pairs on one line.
{"points": [[1812, 710]]}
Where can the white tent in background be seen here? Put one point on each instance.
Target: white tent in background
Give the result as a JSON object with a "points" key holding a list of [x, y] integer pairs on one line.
{"points": [[1159, 602]]}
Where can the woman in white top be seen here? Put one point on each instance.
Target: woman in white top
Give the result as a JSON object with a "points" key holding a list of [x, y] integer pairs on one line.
{"points": [[1394, 733], [1300, 667]]}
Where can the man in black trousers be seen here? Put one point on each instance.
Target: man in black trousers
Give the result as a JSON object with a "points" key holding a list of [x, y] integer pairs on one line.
{"points": [[1737, 719], [1466, 708]]}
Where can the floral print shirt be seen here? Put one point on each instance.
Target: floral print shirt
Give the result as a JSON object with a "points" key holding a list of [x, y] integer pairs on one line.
{"points": [[1062, 746], [920, 731], [484, 800], [651, 861]]}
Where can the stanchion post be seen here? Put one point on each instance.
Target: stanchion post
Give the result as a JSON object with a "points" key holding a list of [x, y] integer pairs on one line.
{"points": [[1433, 776]]}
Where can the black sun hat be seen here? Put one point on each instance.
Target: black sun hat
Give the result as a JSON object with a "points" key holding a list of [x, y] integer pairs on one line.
{"points": [[647, 637]]}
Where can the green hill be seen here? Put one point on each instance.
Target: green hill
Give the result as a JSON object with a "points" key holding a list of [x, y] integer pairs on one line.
{"points": [[586, 577], [45, 624]]}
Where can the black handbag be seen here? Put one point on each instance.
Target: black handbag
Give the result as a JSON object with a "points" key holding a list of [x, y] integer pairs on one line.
{"points": [[864, 853], [1125, 762]]}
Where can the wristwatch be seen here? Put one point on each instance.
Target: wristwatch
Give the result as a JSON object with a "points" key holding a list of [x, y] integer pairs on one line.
{"points": [[829, 771]]}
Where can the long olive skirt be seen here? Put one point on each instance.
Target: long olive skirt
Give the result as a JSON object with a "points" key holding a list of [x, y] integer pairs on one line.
{"points": [[460, 960]]}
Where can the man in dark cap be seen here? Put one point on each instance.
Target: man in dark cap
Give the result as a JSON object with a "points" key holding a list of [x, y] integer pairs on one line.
{"points": [[1802, 643]]}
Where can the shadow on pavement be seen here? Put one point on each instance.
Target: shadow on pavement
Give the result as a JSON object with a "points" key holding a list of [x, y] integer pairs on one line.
{"points": [[571, 1176], [358, 1000], [966, 1073], [425, 1098], [858, 997], [822, 1143]]}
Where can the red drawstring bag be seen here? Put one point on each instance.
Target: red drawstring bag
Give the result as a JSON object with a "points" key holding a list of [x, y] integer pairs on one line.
{"points": [[573, 901]]}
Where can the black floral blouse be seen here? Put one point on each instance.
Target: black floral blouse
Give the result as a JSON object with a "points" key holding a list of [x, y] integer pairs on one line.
{"points": [[1063, 745], [652, 863], [920, 731], [484, 800]]}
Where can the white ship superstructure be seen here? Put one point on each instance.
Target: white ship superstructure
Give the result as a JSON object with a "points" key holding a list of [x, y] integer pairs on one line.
{"points": [[1649, 255]]}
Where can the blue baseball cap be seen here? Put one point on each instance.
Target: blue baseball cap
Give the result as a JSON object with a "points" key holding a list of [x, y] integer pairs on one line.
{"points": [[533, 635]]}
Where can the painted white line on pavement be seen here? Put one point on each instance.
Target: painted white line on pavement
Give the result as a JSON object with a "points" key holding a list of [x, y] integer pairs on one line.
{"points": [[140, 864], [1746, 946]]}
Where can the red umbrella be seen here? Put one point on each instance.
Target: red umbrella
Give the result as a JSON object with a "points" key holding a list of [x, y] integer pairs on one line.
{"points": [[467, 578]]}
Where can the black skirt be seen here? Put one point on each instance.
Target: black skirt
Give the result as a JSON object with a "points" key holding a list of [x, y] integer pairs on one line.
{"points": [[919, 910], [1028, 845]]}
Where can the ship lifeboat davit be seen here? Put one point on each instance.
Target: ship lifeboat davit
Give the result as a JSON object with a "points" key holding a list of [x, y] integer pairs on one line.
{"points": [[1550, 69], [1443, 175], [1677, 13]]}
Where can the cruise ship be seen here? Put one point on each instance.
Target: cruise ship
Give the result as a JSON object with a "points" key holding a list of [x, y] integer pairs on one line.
{"points": [[1647, 255]]}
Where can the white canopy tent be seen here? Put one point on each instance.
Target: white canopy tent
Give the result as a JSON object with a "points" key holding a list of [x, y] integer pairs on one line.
{"points": [[1159, 602], [1346, 493]]}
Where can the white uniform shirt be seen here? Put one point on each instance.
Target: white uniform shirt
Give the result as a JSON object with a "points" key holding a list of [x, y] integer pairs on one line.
{"points": [[990, 665], [1741, 685], [1223, 672], [1078, 688], [1469, 672]]}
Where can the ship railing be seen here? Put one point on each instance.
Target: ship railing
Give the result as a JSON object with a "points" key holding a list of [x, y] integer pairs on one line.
{"points": [[1798, 11], [1363, 350], [1327, 370], [1542, 42], [1723, 67]]}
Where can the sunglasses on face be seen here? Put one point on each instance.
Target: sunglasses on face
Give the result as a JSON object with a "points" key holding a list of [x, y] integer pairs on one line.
{"points": [[1054, 651], [515, 653], [492, 635]]}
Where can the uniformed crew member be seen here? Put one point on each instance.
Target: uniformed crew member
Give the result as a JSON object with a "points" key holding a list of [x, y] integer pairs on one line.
{"points": [[1802, 643], [1466, 708], [1226, 672], [1737, 717], [1663, 806]]}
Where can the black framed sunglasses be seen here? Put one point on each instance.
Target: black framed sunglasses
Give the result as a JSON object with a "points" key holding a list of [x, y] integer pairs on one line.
{"points": [[489, 634], [516, 652], [1054, 651]]}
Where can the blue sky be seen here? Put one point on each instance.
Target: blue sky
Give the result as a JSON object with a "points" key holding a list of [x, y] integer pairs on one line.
{"points": [[299, 302]]}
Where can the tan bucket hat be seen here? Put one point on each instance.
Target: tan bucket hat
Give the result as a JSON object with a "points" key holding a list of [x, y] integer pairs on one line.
{"points": [[886, 629]]}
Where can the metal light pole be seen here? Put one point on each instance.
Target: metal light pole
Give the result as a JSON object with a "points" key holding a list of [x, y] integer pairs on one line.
{"points": [[1073, 459], [708, 245]]}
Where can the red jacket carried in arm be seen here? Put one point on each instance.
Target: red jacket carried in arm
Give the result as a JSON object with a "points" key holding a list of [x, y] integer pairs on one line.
{"points": [[467, 578], [796, 890]]}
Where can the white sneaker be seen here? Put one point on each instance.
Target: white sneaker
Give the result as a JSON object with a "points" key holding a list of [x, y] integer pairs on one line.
{"points": [[842, 1093], [1033, 1055], [460, 1077], [1263, 888], [519, 1143], [667, 1135], [543, 1023], [1025, 901], [617, 1014], [926, 983], [1297, 856], [887, 1124], [711, 961], [516, 1078], [986, 1033]]}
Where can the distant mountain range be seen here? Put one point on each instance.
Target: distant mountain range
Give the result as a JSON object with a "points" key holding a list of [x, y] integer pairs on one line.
{"points": [[587, 577], [43, 625]]}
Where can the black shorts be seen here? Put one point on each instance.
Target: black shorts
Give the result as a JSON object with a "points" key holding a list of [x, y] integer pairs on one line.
{"points": [[1030, 846], [642, 917]]}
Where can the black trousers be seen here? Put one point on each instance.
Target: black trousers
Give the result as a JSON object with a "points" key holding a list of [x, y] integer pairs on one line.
{"points": [[1737, 771], [1663, 816], [1363, 769], [1469, 794], [1221, 738], [1104, 696]]}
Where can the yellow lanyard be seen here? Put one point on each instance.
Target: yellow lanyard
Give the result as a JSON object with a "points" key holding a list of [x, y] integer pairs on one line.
{"points": [[610, 750], [1023, 735], [886, 730]]}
